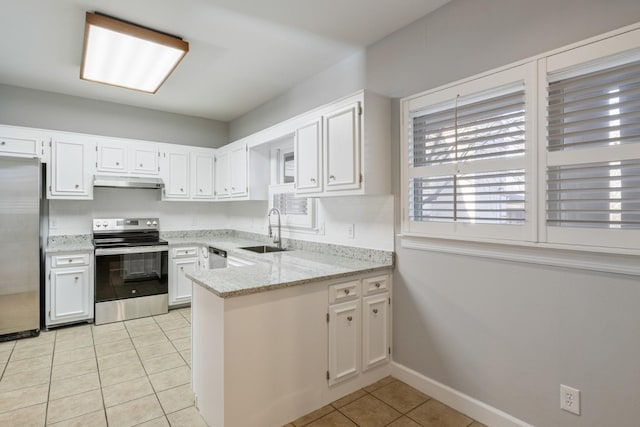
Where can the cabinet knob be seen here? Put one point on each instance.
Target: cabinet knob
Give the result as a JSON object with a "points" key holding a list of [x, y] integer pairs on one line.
{"points": [[225, 188], [377, 284], [117, 163], [3, 143], [140, 164], [76, 278], [181, 268], [332, 178], [375, 311], [312, 179], [349, 318], [182, 190], [233, 188], [346, 291], [77, 185], [201, 190]]}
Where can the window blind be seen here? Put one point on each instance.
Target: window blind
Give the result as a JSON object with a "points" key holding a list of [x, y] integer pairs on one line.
{"points": [[483, 198], [596, 109], [597, 195], [490, 128], [288, 204]]}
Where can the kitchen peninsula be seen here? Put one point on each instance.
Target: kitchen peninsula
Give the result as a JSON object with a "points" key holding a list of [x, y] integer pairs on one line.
{"points": [[290, 332]]}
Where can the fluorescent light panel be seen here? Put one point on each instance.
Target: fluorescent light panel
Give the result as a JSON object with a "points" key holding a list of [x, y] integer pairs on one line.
{"points": [[122, 54]]}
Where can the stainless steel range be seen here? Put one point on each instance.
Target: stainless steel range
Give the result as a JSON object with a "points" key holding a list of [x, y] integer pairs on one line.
{"points": [[131, 268]]}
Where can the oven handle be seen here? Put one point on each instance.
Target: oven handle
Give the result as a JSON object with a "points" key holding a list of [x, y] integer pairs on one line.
{"points": [[131, 250]]}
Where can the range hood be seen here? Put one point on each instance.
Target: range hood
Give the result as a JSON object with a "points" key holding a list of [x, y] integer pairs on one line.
{"points": [[127, 182]]}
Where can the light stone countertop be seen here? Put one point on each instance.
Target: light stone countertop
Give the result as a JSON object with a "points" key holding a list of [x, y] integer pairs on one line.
{"points": [[279, 269], [70, 243]]}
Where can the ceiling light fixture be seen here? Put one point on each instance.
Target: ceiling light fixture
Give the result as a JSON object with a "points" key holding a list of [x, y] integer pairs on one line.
{"points": [[120, 53]]}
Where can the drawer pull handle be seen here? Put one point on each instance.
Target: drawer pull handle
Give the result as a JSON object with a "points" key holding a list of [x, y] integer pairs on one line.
{"points": [[349, 318], [3, 143], [346, 291], [76, 278], [375, 311], [181, 268], [377, 284], [70, 260]]}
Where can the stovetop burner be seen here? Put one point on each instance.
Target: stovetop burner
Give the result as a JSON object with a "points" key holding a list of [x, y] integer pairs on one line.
{"points": [[126, 232]]}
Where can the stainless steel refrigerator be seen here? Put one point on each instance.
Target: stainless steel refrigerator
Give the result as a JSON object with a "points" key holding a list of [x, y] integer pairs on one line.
{"points": [[21, 213]]}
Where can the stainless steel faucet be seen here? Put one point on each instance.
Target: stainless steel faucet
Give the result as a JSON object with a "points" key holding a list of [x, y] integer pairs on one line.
{"points": [[278, 240]]}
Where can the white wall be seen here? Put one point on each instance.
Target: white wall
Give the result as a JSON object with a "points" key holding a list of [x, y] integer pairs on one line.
{"points": [[75, 217], [48, 110], [505, 333], [372, 216]]}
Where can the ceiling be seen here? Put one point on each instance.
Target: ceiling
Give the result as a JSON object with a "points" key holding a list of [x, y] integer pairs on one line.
{"points": [[242, 52]]}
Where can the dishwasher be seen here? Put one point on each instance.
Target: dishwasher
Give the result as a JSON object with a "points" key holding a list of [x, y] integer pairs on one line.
{"points": [[217, 258]]}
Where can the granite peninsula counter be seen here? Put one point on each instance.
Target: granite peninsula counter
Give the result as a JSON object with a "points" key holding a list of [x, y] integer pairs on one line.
{"points": [[261, 335]]}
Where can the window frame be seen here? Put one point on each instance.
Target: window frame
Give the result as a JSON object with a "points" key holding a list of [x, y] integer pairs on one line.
{"points": [[540, 235], [475, 87]]}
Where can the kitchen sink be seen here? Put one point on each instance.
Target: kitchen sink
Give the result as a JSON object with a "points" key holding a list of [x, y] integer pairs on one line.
{"points": [[263, 249]]}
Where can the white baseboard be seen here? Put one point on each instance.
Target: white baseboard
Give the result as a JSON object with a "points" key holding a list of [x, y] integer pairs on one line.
{"points": [[469, 406]]}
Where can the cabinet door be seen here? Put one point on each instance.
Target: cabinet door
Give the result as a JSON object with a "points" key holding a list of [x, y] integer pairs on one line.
{"points": [[112, 157], [238, 166], [177, 185], [202, 176], [71, 168], [70, 297], [144, 159], [344, 341], [180, 289], [342, 149], [375, 330], [20, 142], [308, 158], [222, 184]]}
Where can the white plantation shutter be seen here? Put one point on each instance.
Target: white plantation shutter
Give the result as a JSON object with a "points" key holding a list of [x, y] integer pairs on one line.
{"points": [[289, 204], [593, 153], [467, 159]]}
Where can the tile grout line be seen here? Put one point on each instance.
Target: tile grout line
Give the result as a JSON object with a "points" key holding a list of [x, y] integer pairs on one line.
{"points": [[104, 406], [53, 352]]}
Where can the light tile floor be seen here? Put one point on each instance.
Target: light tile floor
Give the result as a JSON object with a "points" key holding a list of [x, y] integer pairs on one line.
{"points": [[388, 402], [120, 374], [137, 373]]}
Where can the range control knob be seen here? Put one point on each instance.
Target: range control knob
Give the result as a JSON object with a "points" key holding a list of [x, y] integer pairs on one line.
{"points": [[98, 224], [155, 223], [105, 224], [148, 223]]}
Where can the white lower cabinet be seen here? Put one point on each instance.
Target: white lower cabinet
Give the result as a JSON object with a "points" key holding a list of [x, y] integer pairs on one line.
{"points": [[359, 327], [69, 291], [375, 330], [184, 260]]}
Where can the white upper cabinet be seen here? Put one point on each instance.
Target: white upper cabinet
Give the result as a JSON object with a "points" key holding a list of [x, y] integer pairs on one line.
{"points": [[222, 175], [144, 158], [126, 157], [21, 142], [71, 168], [176, 174], [238, 171], [342, 148], [308, 157], [202, 175], [112, 156], [187, 172]]}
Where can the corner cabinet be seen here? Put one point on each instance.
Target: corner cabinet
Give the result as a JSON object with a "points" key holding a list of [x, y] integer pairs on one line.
{"points": [[241, 172], [69, 288], [71, 167]]}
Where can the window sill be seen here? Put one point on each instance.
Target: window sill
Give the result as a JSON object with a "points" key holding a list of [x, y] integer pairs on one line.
{"points": [[606, 260]]}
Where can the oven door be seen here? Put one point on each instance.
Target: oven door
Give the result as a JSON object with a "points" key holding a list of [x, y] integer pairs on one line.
{"points": [[131, 272]]}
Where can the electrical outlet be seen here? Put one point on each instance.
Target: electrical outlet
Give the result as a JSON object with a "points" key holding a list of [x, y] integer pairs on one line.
{"points": [[351, 231], [570, 399]]}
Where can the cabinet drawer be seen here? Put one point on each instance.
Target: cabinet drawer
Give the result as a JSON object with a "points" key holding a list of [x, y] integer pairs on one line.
{"points": [[189, 251], [344, 291], [67, 260], [18, 145], [376, 284]]}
